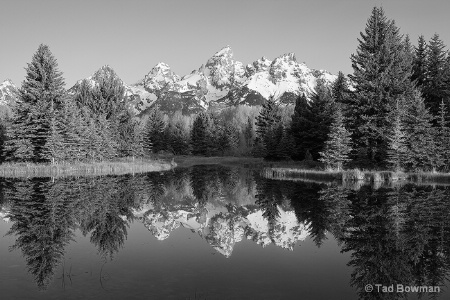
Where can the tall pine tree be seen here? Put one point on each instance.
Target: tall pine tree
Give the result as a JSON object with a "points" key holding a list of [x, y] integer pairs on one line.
{"points": [[338, 143], [419, 63], [154, 131], [266, 122], [436, 88], [40, 96], [310, 122], [381, 75], [199, 134], [443, 138], [422, 152], [397, 149]]}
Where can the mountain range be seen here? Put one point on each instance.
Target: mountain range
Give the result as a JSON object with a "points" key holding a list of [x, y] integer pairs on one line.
{"points": [[220, 82]]}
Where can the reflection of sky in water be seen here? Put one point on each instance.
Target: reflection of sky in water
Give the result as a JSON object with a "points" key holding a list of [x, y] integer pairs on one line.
{"points": [[181, 265]]}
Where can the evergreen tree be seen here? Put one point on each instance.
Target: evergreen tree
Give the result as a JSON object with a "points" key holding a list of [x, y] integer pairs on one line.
{"points": [[422, 153], [301, 122], [272, 140], [443, 138], [55, 146], [107, 145], [249, 133], [84, 98], [286, 146], [338, 144], [40, 95], [381, 75], [228, 138], [436, 88], [154, 131], [104, 98], [409, 55], [397, 142], [214, 131], [311, 121], [179, 139], [266, 122], [339, 89], [75, 122], [130, 136], [419, 64], [199, 134], [107, 120], [268, 117]]}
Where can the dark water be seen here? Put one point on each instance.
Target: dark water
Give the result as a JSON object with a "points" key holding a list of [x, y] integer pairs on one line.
{"points": [[212, 232]]}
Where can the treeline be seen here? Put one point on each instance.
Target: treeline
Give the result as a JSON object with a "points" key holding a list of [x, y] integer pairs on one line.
{"points": [[229, 132], [392, 112]]}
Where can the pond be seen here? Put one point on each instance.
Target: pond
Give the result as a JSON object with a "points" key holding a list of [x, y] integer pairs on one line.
{"points": [[216, 232]]}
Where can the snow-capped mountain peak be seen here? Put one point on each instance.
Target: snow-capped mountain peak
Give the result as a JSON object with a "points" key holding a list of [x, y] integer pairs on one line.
{"points": [[159, 77], [224, 52], [8, 92]]}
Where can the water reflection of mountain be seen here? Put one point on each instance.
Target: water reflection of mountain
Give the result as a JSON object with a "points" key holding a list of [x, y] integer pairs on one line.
{"points": [[223, 206], [395, 235]]}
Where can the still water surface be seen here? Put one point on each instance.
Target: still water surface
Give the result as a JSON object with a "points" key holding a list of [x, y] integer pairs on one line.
{"points": [[214, 232]]}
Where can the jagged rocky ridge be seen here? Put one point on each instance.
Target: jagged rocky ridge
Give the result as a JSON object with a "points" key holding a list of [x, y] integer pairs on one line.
{"points": [[220, 82]]}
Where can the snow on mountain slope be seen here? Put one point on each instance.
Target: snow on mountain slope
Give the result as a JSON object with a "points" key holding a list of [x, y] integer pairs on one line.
{"points": [[4, 214], [8, 92], [159, 77], [283, 79]]}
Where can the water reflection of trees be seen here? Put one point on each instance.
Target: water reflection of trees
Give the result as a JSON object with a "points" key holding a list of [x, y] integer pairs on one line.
{"points": [[45, 213], [393, 234], [42, 223], [398, 236]]}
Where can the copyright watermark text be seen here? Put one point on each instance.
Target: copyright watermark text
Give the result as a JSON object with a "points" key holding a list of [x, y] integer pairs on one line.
{"points": [[400, 288]]}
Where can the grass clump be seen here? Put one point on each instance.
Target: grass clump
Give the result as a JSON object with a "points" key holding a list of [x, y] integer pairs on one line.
{"points": [[353, 175], [119, 167], [286, 173], [433, 177]]}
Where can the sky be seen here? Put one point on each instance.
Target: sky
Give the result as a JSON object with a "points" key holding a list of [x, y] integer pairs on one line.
{"points": [[133, 36]]}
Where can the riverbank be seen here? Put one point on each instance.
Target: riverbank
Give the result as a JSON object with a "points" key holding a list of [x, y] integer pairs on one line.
{"points": [[189, 161], [354, 175], [119, 167]]}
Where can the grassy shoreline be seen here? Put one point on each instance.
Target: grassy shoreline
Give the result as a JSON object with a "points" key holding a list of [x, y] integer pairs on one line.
{"points": [[355, 175], [189, 161], [119, 167]]}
